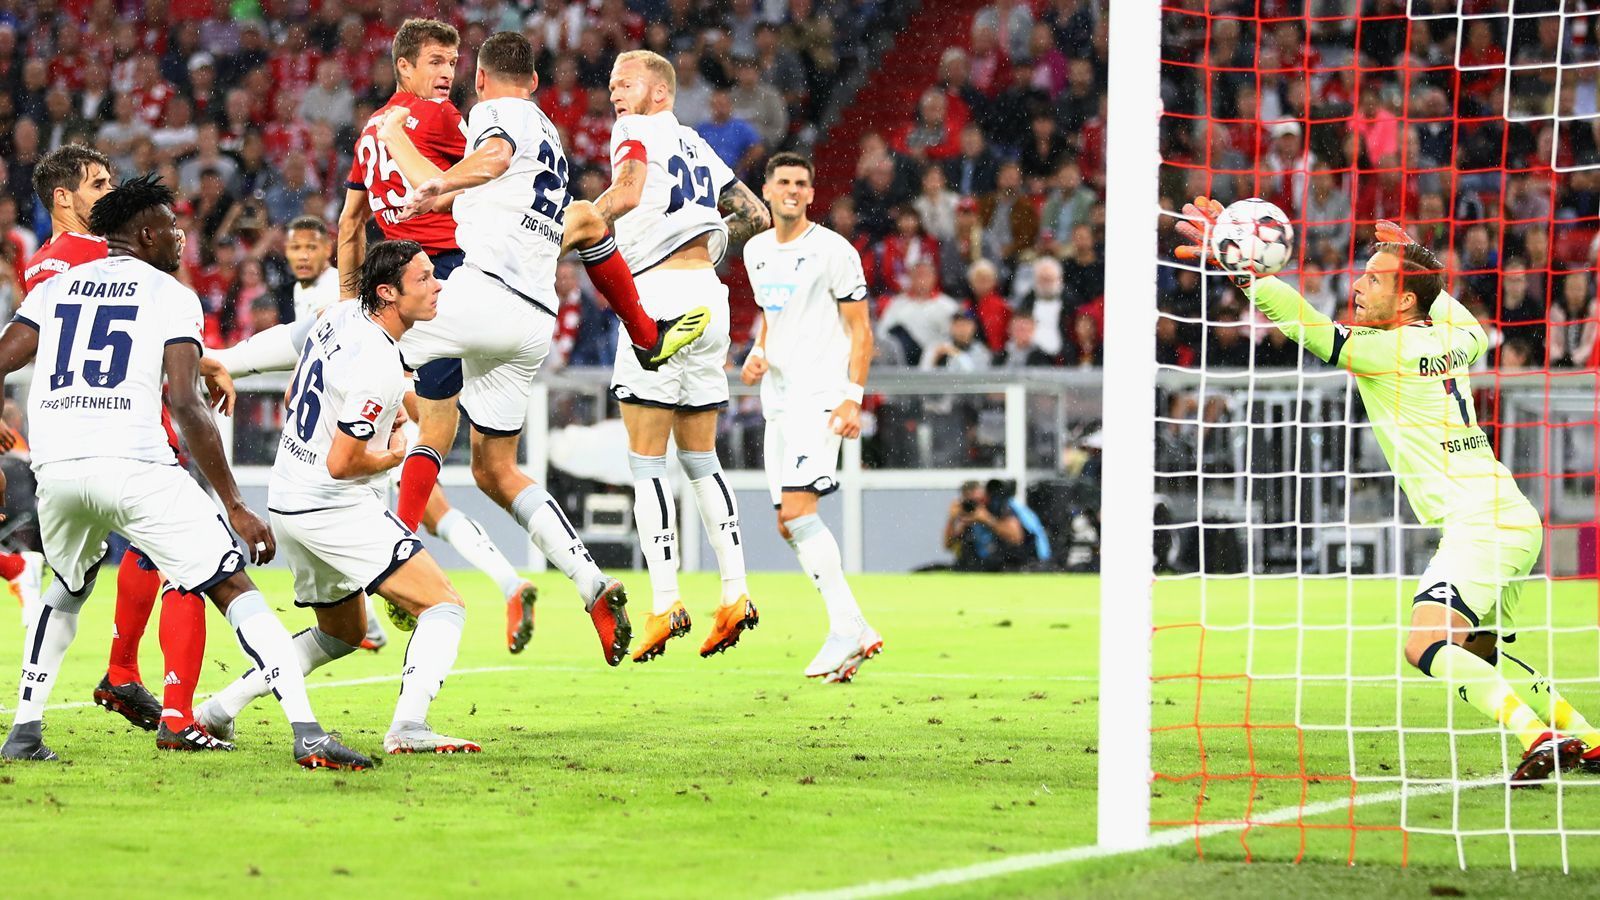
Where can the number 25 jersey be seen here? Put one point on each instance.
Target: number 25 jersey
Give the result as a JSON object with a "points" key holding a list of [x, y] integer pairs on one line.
{"points": [[684, 177], [104, 328], [435, 129]]}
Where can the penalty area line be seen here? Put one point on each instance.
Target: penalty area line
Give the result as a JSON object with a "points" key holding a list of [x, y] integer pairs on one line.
{"points": [[1170, 837]]}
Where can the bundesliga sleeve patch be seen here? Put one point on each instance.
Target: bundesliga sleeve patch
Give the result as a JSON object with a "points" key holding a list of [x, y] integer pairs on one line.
{"points": [[370, 410], [361, 431]]}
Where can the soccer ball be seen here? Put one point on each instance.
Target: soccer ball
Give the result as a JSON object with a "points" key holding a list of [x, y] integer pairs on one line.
{"points": [[1252, 237]]}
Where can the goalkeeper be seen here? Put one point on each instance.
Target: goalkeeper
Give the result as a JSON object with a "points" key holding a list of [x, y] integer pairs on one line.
{"points": [[1409, 349]]}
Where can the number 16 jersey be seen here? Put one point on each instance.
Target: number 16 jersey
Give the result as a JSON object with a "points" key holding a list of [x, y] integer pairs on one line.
{"points": [[104, 327], [684, 177]]}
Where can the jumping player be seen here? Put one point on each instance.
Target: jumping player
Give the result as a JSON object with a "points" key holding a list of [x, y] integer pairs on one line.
{"points": [[104, 335], [328, 507], [667, 198], [811, 360], [70, 180]]}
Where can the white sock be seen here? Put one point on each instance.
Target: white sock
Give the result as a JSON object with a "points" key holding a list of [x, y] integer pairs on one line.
{"points": [[269, 646], [429, 658], [720, 513], [655, 517], [52, 624], [313, 646], [469, 540], [819, 557], [535, 510]]}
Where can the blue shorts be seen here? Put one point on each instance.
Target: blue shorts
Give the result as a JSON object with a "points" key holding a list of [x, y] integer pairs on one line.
{"points": [[441, 379]]}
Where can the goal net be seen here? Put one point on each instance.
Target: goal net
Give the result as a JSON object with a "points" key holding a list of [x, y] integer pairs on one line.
{"points": [[1285, 721]]}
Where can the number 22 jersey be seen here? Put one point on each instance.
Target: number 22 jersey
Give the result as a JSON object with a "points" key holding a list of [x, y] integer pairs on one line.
{"points": [[684, 177], [104, 327]]}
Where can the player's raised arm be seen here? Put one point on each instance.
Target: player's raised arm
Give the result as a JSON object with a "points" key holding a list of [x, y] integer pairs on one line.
{"points": [[352, 240], [627, 184], [488, 161], [744, 212]]}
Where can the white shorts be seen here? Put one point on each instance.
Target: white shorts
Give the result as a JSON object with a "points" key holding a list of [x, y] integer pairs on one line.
{"points": [[501, 339], [800, 450], [1479, 570], [338, 552], [695, 379], [159, 508]]}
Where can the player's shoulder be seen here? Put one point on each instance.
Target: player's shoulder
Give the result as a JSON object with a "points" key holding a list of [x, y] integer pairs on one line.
{"points": [[828, 239], [762, 244]]}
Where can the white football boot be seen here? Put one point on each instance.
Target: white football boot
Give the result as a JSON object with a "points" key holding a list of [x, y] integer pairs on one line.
{"points": [[210, 716], [841, 655], [419, 737]]}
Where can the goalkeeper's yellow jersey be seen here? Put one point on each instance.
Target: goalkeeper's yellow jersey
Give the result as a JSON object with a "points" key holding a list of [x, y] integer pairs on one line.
{"points": [[1413, 382]]}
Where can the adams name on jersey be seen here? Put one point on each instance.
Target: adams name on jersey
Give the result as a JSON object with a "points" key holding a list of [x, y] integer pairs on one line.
{"points": [[104, 327], [683, 181]]}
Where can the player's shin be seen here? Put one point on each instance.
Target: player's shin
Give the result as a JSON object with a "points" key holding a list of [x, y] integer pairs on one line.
{"points": [[50, 631], [1480, 685], [268, 645], [610, 276], [819, 556], [138, 583], [418, 475], [313, 648], [183, 647], [429, 657], [1547, 703], [469, 539], [535, 510], [720, 513], [655, 515]]}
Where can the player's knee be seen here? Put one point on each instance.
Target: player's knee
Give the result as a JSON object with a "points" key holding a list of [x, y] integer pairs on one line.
{"points": [[582, 223], [1421, 649]]}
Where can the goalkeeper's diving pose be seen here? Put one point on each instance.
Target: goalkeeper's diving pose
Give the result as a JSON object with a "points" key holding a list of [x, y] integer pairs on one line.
{"points": [[1409, 347]]}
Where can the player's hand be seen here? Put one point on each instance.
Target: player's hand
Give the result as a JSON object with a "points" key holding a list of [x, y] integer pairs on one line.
{"points": [[846, 420], [8, 442], [1204, 210], [755, 366], [259, 544], [1387, 232], [219, 384], [393, 126], [423, 199]]}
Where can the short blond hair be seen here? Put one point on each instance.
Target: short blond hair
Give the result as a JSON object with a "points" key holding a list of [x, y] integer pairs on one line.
{"points": [[655, 64]]}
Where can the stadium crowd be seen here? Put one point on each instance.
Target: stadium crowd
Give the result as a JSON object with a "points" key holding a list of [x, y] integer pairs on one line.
{"points": [[1362, 115]]}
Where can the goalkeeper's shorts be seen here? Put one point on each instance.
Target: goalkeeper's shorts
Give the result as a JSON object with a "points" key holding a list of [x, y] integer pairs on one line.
{"points": [[1481, 566]]}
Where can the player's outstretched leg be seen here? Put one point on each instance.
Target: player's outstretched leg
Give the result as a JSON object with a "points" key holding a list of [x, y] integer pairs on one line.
{"points": [[850, 641], [183, 647], [469, 539], [50, 631], [337, 634], [420, 588], [655, 516], [122, 690], [1537, 691]]}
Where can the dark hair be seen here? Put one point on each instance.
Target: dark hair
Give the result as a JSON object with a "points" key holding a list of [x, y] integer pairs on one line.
{"points": [[787, 158], [1421, 273], [508, 55], [126, 202], [308, 223], [386, 264], [64, 167], [414, 33]]}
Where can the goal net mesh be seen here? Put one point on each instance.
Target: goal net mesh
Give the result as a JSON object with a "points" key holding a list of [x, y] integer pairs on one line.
{"points": [[1287, 724]]}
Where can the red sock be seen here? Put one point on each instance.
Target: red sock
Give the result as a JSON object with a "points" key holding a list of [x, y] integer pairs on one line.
{"points": [[11, 565], [611, 278], [418, 474], [183, 647], [136, 596]]}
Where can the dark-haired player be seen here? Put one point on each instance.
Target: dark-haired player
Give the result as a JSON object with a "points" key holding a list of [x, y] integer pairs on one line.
{"points": [[101, 337], [328, 507], [70, 180], [1410, 347]]}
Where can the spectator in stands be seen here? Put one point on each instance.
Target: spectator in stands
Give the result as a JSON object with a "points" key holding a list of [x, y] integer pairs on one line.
{"points": [[811, 33], [1044, 152], [587, 331], [904, 248], [1046, 64], [988, 68], [931, 136], [1171, 350], [733, 139], [1007, 119], [255, 174], [919, 318], [1009, 217], [1276, 351], [61, 121], [692, 104], [94, 102], [1522, 307], [1318, 290], [35, 82], [973, 171], [115, 138], [1479, 264], [1283, 169], [177, 135], [1081, 100], [19, 163], [876, 199], [203, 90], [1085, 351], [758, 103], [1021, 349], [208, 155], [1328, 212], [955, 80], [1069, 203], [1229, 346], [1574, 324], [1046, 305], [780, 67], [991, 309], [288, 197], [1516, 355], [330, 100], [1012, 20], [936, 205], [960, 350], [1083, 271]]}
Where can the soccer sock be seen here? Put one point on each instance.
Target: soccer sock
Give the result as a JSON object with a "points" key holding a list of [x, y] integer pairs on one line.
{"points": [[137, 587], [655, 517], [720, 513], [313, 646], [429, 657], [267, 643], [535, 510], [469, 540], [610, 275], [819, 556], [11, 565], [183, 648], [50, 632], [418, 474], [1548, 704], [1480, 684]]}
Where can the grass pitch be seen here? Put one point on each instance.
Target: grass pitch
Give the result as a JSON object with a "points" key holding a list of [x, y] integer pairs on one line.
{"points": [[971, 740]]}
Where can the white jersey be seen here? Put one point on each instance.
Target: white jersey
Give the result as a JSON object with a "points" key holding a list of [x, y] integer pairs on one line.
{"points": [[799, 286], [683, 180], [349, 379], [511, 227], [309, 302], [104, 327]]}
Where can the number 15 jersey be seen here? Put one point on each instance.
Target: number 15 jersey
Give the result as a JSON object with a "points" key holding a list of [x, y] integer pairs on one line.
{"points": [[104, 328], [684, 177]]}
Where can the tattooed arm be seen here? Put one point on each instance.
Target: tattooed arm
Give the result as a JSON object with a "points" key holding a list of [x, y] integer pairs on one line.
{"points": [[744, 212], [627, 187]]}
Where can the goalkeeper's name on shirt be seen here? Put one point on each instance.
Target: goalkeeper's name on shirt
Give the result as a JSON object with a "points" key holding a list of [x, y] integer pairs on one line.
{"points": [[1434, 366]]}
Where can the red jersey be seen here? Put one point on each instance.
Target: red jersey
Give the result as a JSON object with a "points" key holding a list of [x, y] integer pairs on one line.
{"points": [[62, 252], [436, 129]]}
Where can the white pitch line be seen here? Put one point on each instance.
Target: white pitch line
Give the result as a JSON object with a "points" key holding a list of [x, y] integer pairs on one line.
{"points": [[1168, 838]]}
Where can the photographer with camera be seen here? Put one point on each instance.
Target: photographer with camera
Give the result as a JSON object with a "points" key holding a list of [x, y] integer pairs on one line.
{"points": [[991, 530]]}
